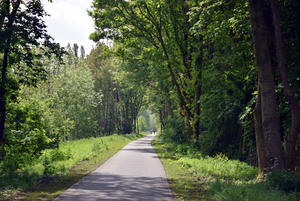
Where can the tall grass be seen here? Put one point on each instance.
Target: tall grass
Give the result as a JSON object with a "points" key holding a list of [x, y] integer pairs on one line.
{"points": [[219, 167], [58, 162], [228, 180]]}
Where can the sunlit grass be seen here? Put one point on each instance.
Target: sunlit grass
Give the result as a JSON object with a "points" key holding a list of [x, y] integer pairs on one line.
{"points": [[220, 168], [65, 166], [198, 177]]}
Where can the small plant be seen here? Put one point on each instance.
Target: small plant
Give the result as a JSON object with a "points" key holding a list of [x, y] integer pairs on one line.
{"points": [[221, 156], [59, 155], [49, 169], [98, 147]]}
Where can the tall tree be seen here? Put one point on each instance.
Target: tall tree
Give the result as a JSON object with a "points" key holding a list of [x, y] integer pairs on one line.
{"points": [[145, 20], [75, 50], [292, 137], [82, 52], [267, 123], [21, 28]]}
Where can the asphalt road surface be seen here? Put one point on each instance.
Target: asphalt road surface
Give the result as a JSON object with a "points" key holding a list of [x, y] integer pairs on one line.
{"points": [[134, 173]]}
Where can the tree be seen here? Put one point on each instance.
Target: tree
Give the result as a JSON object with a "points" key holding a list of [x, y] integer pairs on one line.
{"points": [[82, 52], [267, 126], [142, 124], [75, 50], [143, 20], [292, 137], [67, 98], [21, 28]]}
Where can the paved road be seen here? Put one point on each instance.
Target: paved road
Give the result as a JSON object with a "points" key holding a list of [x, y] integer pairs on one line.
{"points": [[134, 173]]}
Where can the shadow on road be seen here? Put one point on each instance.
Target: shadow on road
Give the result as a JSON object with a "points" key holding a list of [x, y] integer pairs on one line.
{"points": [[114, 187]]}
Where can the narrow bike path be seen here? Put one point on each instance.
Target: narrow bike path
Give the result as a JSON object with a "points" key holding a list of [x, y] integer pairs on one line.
{"points": [[134, 173]]}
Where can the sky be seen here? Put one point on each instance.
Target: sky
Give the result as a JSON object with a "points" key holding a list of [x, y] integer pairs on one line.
{"points": [[69, 22]]}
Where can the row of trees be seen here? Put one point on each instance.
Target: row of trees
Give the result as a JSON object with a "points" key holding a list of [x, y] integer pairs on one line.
{"points": [[78, 99], [121, 102], [49, 94], [196, 60]]}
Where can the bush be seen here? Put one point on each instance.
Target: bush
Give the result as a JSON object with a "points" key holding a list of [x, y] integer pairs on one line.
{"points": [[175, 130], [49, 168], [24, 137], [285, 181]]}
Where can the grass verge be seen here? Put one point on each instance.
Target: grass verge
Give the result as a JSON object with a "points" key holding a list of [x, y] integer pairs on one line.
{"points": [[57, 170], [184, 184], [196, 177]]}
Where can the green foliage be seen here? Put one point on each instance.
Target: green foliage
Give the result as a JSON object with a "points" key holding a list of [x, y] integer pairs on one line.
{"points": [[285, 181], [223, 179], [58, 163], [22, 31], [219, 168], [61, 107], [99, 147], [142, 124], [120, 100], [25, 135], [67, 98], [175, 130], [228, 191], [49, 169]]}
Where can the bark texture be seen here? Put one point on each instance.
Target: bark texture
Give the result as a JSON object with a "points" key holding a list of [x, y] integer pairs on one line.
{"points": [[264, 61], [291, 139], [259, 137]]}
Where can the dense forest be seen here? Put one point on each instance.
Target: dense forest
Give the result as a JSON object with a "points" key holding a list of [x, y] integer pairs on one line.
{"points": [[221, 76], [224, 75]]}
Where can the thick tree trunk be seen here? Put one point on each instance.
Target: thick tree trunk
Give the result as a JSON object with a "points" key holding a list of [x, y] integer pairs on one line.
{"points": [[291, 139], [259, 137], [263, 55]]}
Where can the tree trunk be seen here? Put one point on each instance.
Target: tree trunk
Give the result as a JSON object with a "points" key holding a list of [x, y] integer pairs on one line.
{"points": [[137, 125], [113, 114], [104, 118], [6, 10], [291, 139], [169, 104], [259, 137], [197, 97], [263, 56], [120, 110]]}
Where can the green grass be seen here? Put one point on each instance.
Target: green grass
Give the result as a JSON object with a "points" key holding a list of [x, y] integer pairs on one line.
{"points": [[57, 170], [185, 185], [196, 177]]}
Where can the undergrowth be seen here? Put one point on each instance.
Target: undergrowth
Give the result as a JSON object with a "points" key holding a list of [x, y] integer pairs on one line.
{"points": [[57, 163], [228, 180]]}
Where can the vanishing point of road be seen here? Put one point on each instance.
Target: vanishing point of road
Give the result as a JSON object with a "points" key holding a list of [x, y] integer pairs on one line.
{"points": [[134, 173]]}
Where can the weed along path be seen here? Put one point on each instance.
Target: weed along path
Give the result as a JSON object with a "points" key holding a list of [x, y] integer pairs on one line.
{"points": [[134, 173]]}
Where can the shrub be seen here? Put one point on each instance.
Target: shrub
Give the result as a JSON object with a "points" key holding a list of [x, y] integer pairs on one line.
{"points": [[285, 181], [49, 168], [25, 136], [59, 155], [175, 130]]}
